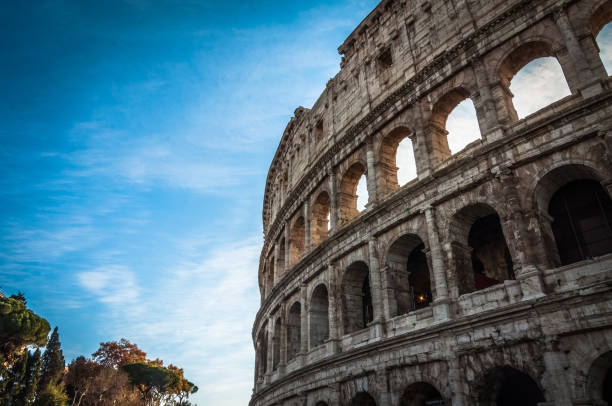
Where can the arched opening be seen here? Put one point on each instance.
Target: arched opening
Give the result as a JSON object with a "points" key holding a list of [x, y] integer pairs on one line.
{"points": [[262, 346], [281, 257], [397, 165], [270, 281], [481, 255], [599, 383], [348, 193], [506, 386], [357, 310], [321, 403], [320, 218], [276, 344], [602, 32], [298, 236], [531, 88], [319, 316], [421, 394], [454, 124], [363, 399], [294, 326], [362, 193], [408, 276], [582, 220]]}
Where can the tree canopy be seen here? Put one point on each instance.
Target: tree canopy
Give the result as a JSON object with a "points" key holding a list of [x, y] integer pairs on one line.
{"points": [[117, 354], [19, 327]]}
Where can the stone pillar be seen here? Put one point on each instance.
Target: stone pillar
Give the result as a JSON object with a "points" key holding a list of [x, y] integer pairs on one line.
{"points": [[278, 267], [371, 174], [488, 120], [456, 376], [334, 332], [554, 379], [270, 352], [304, 333], [441, 303], [287, 247], [333, 205], [282, 365], [585, 79], [521, 242], [382, 386], [387, 291], [375, 288], [307, 228]]}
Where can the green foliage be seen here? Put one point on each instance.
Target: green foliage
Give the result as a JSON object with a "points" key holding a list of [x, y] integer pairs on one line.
{"points": [[117, 354], [19, 327], [52, 395], [53, 361], [152, 381]]}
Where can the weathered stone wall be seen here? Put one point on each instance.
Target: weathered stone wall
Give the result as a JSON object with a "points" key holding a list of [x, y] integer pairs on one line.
{"points": [[404, 69]]}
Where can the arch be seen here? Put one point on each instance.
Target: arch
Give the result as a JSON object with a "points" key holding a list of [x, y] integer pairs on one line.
{"points": [[276, 344], [297, 241], [347, 195], [281, 256], [507, 386], [601, 29], [363, 399], [262, 346], [321, 403], [294, 330], [480, 252], [389, 160], [547, 185], [599, 379], [517, 59], [357, 310], [408, 275], [421, 394], [319, 316], [444, 107], [320, 218], [600, 18]]}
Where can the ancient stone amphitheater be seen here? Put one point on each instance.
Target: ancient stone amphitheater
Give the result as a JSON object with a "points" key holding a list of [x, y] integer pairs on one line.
{"points": [[486, 279]]}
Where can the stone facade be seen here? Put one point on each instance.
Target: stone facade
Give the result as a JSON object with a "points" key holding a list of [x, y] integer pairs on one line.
{"points": [[472, 284]]}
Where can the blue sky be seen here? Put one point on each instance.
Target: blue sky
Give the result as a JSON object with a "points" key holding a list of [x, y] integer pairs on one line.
{"points": [[136, 136]]}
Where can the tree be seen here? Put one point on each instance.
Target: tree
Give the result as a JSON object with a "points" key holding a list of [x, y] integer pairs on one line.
{"points": [[153, 382], [80, 379], [184, 388], [117, 354], [52, 395], [19, 327], [53, 361]]}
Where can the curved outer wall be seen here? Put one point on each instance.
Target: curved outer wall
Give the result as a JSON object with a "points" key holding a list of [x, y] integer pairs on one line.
{"points": [[404, 68]]}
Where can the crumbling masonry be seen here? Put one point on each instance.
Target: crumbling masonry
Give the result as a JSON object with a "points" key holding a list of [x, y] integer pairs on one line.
{"points": [[487, 279]]}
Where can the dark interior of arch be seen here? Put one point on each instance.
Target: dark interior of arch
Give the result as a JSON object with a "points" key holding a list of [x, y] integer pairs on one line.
{"points": [[276, 342], [607, 387], [582, 221], [491, 261], [507, 386], [321, 404], [363, 399], [408, 275], [421, 394], [357, 307], [263, 351], [294, 324], [319, 316], [320, 218]]}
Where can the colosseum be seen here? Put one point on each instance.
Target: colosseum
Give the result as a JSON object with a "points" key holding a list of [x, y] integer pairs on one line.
{"points": [[486, 279]]}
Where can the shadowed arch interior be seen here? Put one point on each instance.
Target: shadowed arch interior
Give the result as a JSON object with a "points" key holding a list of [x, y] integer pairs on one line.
{"points": [[276, 344], [262, 356], [599, 380], [481, 255], [347, 195], [421, 394], [298, 237], [319, 316], [294, 327], [357, 310], [507, 386], [408, 276], [363, 399]]}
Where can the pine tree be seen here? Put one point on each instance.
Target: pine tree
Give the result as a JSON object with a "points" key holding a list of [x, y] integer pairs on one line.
{"points": [[33, 377], [52, 362]]}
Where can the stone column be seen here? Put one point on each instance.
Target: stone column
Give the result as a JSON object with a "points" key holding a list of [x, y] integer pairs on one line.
{"points": [[441, 303], [554, 379], [334, 332], [456, 381], [333, 206], [585, 78], [270, 352], [287, 247], [382, 386], [307, 228], [375, 288], [371, 175], [282, 365], [304, 333], [488, 120], [278, 267], [523, 245]]}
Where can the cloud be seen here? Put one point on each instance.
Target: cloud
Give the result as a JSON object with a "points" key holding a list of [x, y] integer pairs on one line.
{"points": [[114, 285]]}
